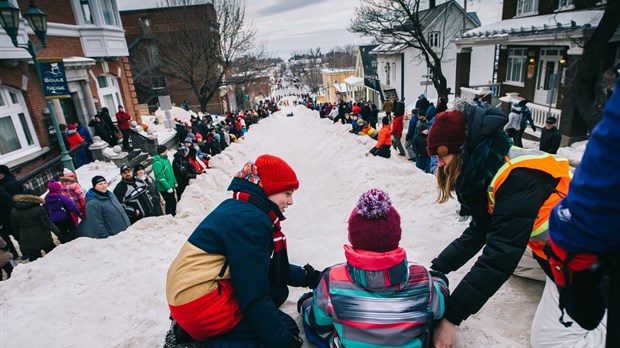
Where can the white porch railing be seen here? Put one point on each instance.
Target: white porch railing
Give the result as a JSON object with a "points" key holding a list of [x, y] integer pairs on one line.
{"points": [[539, 112]]}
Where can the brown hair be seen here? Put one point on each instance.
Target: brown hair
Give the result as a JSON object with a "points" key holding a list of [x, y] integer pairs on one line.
{"points": [[447, 177]]}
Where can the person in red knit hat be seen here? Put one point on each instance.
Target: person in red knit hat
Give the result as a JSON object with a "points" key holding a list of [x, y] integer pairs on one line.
{"points": [[508, 192], [229, 279], [378, 289]]}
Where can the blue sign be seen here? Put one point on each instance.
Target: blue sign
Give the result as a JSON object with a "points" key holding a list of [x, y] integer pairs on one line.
{"points": [[54, 79]]}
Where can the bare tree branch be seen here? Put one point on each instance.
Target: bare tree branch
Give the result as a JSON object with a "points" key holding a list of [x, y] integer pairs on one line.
{"points": [[400, 23], [217, 50]]}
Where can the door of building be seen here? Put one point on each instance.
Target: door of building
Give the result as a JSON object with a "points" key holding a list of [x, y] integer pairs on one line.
{"points": [[547, 79], [69, 110]]}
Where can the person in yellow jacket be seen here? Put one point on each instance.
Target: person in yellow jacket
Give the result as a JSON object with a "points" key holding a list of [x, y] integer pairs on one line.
{"points": [[508, 193], [384, 140]]}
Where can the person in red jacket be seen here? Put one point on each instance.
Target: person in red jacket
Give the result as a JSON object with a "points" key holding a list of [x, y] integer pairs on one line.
{"points": [[397, 133], [73, 137], [123, 119]]}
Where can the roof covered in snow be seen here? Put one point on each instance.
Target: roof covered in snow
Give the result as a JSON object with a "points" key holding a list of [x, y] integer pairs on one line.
{"points": [[573, 22]]}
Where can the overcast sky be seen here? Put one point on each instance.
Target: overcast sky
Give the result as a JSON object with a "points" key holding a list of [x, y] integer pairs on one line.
{"points": [[298, 25]]}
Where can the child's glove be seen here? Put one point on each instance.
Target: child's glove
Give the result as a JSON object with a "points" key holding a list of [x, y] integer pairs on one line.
{"points": [[533, 128], [170, 190], [303, 299], [312, 276]]}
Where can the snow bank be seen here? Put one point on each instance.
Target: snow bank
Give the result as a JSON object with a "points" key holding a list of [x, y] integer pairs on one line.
{"points": [[111, 293]]}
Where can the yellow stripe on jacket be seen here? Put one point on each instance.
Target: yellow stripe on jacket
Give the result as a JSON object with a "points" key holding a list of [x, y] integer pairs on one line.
{"points": [[193, 274]]}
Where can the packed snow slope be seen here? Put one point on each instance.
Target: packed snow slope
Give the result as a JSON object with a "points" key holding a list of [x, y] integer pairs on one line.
{"points": [[111, 293]]}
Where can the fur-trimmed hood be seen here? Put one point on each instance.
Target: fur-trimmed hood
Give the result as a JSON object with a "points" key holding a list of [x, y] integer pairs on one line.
{"points": [[26, 201]]}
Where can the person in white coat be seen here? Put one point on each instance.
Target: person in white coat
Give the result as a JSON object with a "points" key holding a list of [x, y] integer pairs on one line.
{"points": [[514, 123]]}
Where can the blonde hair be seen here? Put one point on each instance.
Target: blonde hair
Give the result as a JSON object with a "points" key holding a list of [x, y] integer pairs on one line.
{"points": [[447, 177]]}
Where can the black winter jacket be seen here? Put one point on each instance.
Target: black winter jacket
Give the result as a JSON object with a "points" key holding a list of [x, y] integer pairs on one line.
{"points": [[135, 198], [31, 223], [502, 236], [550, 140], [183, 170]]}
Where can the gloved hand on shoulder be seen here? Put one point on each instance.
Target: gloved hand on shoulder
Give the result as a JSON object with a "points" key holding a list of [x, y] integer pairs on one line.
{"points": [[533, 128], [439, 274], [312, 276]]}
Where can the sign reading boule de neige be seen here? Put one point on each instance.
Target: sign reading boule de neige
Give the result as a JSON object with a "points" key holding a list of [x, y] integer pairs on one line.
{"points": [[54, 79]]}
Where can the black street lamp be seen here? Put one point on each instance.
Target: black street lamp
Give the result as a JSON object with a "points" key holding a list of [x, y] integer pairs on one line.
{"points": [[375, 75], [37, 19]]}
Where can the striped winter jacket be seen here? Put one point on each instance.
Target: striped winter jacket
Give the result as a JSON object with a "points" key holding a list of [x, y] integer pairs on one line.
{"points": [[376, 299]]}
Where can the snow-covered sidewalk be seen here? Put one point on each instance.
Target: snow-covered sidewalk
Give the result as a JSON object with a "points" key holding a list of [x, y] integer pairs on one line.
{"points": [[111, 293]]}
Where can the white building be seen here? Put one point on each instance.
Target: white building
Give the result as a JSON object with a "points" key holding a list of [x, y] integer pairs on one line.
{"points": [[403, 71]]}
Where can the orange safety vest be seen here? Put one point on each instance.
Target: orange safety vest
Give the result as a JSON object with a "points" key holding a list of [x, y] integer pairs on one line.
{"points": [[557, 167]]}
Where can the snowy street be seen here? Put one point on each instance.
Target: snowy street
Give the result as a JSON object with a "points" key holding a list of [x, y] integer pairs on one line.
{"points": [[111, 293]]}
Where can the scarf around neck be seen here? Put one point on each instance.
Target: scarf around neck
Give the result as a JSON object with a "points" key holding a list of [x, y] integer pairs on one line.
{"points": [[279, 267], [479, 168]]}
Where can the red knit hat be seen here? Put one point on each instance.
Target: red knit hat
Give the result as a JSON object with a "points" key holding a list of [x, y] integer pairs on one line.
{"points": [[275, 174], [447, 133], [71, 126], [374, 225]]}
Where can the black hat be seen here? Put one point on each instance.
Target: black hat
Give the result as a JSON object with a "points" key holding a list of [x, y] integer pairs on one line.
{"points": [[97, 179], [385, 120], [551, 120], [161, 149], [4, 169], [125, 168], [137, 167]]}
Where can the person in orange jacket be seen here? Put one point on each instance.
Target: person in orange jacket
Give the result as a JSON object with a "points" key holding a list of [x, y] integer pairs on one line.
{"points": [[384, 140]]}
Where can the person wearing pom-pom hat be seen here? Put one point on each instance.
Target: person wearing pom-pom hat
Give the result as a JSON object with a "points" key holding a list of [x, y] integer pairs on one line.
{"points": [[229, 279], [361, 302], [508, 192]]}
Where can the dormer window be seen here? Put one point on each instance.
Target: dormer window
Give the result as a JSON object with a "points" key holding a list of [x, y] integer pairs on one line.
{"points": [[527, 7], [433, 39]]}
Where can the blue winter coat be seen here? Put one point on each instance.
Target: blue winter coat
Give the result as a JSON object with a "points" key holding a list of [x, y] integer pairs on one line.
{"points": [[587, 219], [105, 216], [243, 233]]}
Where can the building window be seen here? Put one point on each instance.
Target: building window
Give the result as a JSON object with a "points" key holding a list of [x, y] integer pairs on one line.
{"points": [[16, 130], [102, 81], [154, 55], [86, 12], [109, 12], [109, 93], [145, 26], [527, 7], [433, 39], [516, 65], [158, 82], [565, 4]]}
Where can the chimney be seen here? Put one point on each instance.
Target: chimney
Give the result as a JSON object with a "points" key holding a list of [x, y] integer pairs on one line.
{"points": [[431, 4]]}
